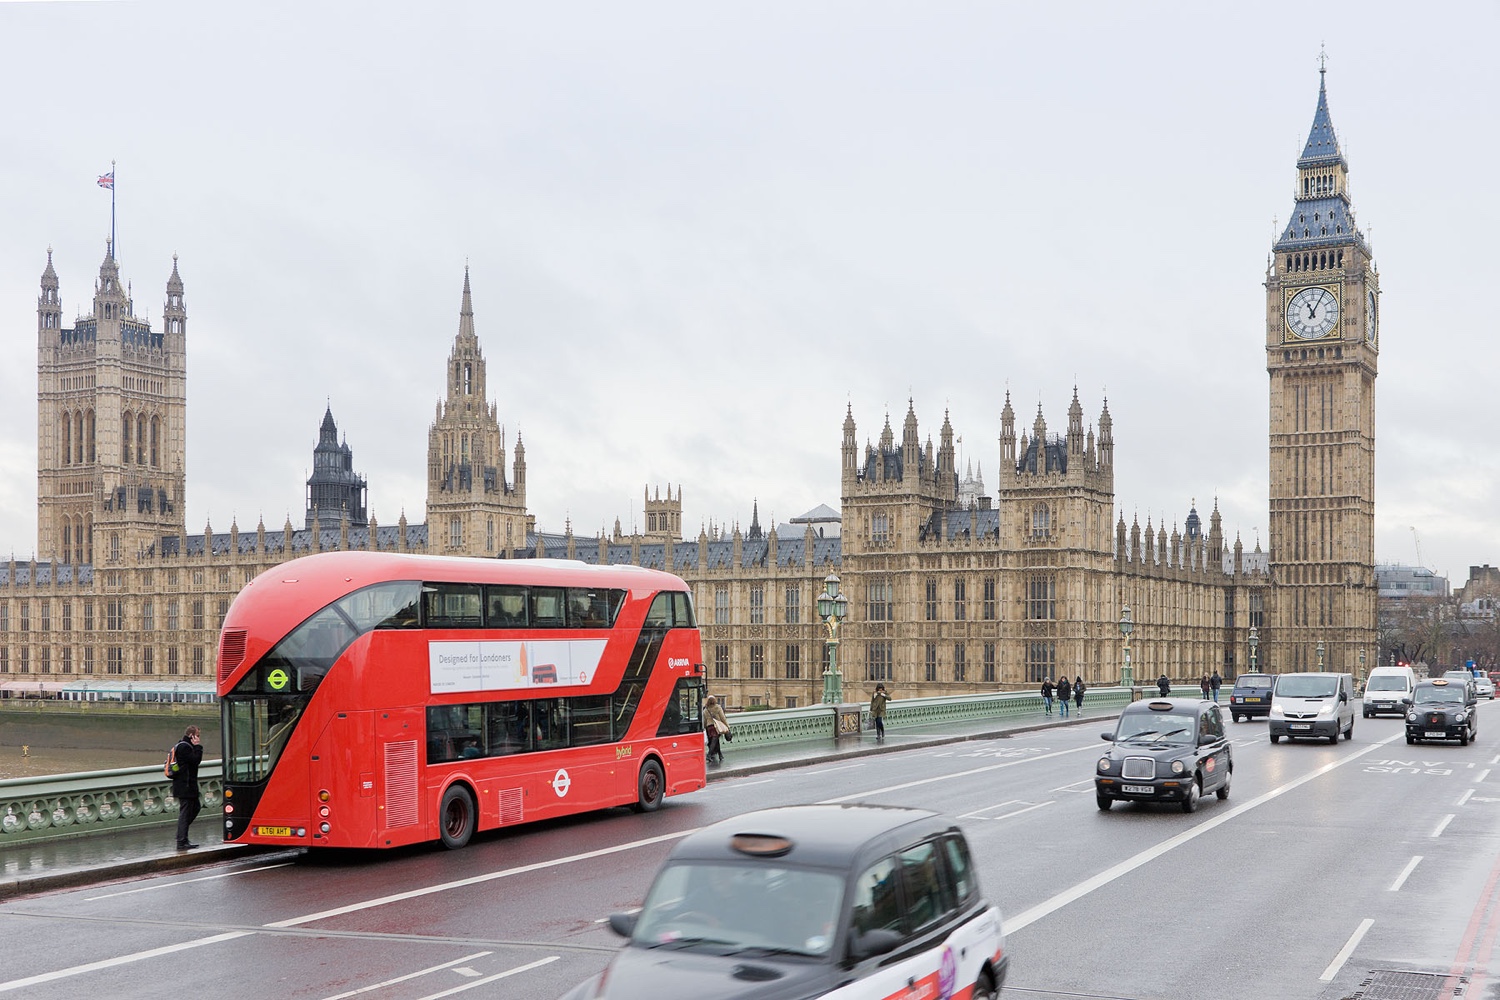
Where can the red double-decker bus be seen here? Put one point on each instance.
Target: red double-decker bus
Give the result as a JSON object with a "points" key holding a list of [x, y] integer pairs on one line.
{"points": [[374, 699]]}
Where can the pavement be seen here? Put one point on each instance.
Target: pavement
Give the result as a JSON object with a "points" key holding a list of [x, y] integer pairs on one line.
{"points": [[43, 866]]}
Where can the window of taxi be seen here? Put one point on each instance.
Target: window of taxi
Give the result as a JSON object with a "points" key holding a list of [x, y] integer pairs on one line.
{"points": [[1210, 726], [1156, 727]]}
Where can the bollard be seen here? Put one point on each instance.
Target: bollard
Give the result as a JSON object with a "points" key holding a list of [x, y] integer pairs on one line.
{"points": [[25, 750]]}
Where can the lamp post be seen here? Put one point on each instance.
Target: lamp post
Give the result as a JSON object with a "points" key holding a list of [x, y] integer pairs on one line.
{"points": [[832, 607], [1361, 666], [1254, 642], [1127, 626], [1320, 656]]}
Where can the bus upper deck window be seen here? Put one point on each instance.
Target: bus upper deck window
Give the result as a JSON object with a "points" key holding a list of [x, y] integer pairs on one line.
{"points": [[451, 605], [505, 606], [660, 613], [547, 607]]}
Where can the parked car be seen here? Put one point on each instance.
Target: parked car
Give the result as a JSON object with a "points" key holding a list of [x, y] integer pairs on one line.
{"points": [[1442, 709], [1251, 696], [799, 901], [1165, 750], [1312, 706]]}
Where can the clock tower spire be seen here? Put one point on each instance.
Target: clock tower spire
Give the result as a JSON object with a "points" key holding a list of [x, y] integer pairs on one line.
{"points": [[1322, 345]]}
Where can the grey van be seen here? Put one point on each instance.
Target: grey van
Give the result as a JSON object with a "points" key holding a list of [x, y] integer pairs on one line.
{"points": [[1312, 706]]}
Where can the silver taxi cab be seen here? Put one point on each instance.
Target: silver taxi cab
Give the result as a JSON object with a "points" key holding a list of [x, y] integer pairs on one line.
{"points": [[856, 902]]}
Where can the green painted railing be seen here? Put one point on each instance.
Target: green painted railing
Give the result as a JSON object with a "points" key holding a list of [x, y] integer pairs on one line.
{"points": [[80, 805]]}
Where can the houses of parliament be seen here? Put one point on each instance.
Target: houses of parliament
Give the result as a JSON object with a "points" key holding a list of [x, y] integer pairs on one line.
{"points": [[951, 589]]}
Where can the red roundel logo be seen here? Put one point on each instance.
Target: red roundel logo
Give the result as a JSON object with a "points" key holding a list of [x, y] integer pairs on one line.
{"points": [[1209, 767]]}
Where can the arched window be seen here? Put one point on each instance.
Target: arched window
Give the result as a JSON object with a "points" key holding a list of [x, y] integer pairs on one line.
{"points": [[88, 430], [468, 379], [463, 444], [67, 439], [156, 442], [128, 426], [1041, 521], [140, 440], [67, 539]]}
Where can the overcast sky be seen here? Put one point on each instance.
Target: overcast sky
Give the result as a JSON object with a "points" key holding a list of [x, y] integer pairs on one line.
{"points": [[698, 231]]}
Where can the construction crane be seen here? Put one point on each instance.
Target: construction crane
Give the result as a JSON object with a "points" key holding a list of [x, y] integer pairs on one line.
{"points": [[1417, 540]]}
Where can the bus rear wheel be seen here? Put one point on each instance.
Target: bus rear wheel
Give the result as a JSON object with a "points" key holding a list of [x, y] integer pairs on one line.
{"points": [[457, 817], [651, 789]]}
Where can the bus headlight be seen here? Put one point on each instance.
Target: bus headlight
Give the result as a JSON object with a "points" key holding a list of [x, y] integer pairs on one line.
{"points": [[325, 827]]}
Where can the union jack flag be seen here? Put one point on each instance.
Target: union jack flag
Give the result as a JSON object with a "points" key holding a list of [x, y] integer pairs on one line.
{"points": [[107, 180]]}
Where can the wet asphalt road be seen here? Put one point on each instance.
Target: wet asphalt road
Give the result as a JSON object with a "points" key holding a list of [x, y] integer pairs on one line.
{"points": [[1325, 863]]}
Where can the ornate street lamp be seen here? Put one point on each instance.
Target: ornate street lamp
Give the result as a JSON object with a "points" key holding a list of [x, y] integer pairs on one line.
{"points": [[1320, 656], [1254, 642], [1361, 666], [832, 607], [1127, 626]]}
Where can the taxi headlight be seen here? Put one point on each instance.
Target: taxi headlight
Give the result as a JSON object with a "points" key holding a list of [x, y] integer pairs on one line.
{"points": [[1103, 764], [1177, 767], [1459, 717], [1411, 716]]}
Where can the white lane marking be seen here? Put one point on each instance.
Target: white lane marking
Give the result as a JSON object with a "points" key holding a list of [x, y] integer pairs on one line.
{"points": [[957, 774], [186, 881], [76, 970], [1482, 775], [110, 963], [747, 784], [1057, 902], [979, 813], [470, 973], [1019, 811], [841, 767], [1401, 879], [1465, 796], [1495, 759], [1346, 951], [410, 975], [1087, 786], [1443, 825], [490, 979]]}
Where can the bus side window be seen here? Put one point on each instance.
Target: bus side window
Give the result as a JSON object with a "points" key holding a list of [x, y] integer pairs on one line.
{"points": [[505, 606], [547, 607], [682, 609], [660, 613], [451, 605]]}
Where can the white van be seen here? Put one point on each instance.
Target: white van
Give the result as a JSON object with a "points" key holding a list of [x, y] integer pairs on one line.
{"points": [[1312, 706], [1388, 690]]}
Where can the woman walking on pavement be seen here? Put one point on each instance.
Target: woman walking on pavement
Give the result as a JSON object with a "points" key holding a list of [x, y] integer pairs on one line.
{"points": [[1203, 686], [1064, 695], [877, 711], [1078, 690], [715, 727], [1047, 695]]}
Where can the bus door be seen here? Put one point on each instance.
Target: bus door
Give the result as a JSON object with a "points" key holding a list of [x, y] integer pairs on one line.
{"points": [[343, 766], [399, 733]]}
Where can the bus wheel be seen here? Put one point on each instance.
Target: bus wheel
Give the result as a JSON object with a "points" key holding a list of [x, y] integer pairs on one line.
{"points": [[456, 813], [653, 786]]}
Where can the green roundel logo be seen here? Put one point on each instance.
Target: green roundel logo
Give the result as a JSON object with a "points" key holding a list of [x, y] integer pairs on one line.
{"points": [[277, 679]]}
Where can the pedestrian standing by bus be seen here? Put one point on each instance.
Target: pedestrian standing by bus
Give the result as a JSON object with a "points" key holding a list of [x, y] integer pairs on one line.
{"points": [[186, 756], [877, 711], [715, 726], [1064, 695], [1078, 690], [1047, 694]]}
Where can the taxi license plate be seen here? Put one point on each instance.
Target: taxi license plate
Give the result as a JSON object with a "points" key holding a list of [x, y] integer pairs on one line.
{"points": [[1436, 733], [1137, 789], [273, 831], [1248, 700], [1301, 725]]}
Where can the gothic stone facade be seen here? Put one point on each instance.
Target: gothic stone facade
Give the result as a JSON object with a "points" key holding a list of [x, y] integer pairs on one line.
{"points": [[950, 591]]}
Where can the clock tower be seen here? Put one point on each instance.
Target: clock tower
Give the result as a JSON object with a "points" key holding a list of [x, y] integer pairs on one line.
{"points": [[1322, 345]]}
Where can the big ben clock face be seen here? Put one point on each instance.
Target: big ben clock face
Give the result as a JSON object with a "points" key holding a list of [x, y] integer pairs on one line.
{"points": [[1312, 313], [1370, 317]]}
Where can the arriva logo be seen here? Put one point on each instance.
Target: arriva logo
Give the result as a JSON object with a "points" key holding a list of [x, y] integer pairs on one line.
{"points": [[677, 662]]}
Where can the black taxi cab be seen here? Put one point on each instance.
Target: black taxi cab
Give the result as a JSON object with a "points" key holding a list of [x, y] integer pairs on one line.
{"points": [[845, 901], [1442, 709], [1165, 750]]}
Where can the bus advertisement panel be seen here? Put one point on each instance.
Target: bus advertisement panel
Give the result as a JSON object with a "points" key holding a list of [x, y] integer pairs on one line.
{"points": [[377, 699]]}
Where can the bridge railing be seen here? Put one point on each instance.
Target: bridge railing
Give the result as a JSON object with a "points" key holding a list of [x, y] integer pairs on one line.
{"points": [[83, 804], [90, 802]]}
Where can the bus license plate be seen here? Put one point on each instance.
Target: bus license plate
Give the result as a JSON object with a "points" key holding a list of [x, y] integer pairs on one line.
{"points": [[273, 831], [1137, 789]]}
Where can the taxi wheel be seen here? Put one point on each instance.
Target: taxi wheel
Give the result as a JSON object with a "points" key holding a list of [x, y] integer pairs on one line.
{"points": [[1103, 802], [456, 816], [984, 987], [1463, 737], [651, 788], [1223, 790], [1411, 740], [1191, 802]]}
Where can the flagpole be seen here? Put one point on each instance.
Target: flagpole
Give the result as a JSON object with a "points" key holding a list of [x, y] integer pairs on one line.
{"points": [[114, 250]]}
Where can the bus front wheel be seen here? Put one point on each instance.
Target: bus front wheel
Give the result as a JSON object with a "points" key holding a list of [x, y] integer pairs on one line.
{"points": [[652, 787], [457, 816]]}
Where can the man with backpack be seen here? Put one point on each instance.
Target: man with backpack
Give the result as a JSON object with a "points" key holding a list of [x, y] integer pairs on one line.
{"points": [[183, 766]]}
